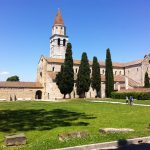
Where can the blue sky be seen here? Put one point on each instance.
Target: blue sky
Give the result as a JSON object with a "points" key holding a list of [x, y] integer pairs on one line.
{"points": [[92, 26]]}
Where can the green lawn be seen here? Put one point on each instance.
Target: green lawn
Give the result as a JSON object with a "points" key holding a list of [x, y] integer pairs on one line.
{"points": [[147, 102], [43, 121]]}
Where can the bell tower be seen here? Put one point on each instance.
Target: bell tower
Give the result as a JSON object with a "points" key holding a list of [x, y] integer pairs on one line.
{"points": [[58, 40]]}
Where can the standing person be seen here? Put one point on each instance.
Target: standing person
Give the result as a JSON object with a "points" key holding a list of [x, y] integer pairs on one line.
{"points": [[131, 100], [127, 100]]}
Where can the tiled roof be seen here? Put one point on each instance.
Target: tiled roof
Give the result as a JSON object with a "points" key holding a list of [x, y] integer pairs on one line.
{"points": [[102, 63], [13, 84], [115, 64], [117, 78], [58, 19], [77, 62], [136, 90], [133, 83], [57, 60], [136, 62]]}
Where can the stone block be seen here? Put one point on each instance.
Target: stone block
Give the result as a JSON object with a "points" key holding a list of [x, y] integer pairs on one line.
{"points": [[115, 130], [14, 140], [71, 135]]}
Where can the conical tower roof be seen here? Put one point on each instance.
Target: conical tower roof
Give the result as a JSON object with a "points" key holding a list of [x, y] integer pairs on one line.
{"points": [[58, 19]]}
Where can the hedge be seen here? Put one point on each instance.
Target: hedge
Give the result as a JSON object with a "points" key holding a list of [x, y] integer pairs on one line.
{"points": [[136, 95]]}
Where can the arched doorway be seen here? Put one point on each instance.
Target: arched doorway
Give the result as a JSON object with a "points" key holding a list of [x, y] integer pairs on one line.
{"points": [[38, 94]]}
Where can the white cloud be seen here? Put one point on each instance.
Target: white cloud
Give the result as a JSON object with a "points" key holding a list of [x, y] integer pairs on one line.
{"points": [[4, 73]]}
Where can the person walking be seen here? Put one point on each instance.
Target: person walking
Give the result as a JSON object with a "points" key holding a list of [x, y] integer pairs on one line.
{"points": [[131, 100]]}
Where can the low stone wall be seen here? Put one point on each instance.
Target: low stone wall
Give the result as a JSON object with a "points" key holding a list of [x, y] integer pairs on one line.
{"points": [[12, 94]]}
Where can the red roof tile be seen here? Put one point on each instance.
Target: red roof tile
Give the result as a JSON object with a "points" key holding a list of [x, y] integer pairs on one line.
{"points": [[9, 84], [58, 19]]}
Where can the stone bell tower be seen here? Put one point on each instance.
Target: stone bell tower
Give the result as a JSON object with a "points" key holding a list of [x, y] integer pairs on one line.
{"points": [[58, 40]]}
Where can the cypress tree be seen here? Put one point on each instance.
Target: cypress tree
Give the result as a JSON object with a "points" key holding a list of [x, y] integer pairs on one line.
{"points": [[96, 78], [109, 74], [146, 81], [65, 78], [83, 77], [59, 80]]}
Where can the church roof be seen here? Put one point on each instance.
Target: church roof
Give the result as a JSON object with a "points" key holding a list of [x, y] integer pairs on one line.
{"points": [[15, 84], [136, 62], [102, 63], [77, 62], [58, 19], [117, 78]]}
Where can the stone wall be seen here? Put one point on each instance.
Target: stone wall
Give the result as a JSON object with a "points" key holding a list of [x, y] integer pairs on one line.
{"points": [[17, 94], [134, 72], [145, 67]]}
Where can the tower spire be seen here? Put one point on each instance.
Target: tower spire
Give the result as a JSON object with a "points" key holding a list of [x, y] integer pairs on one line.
{"points": [[58, 18]]}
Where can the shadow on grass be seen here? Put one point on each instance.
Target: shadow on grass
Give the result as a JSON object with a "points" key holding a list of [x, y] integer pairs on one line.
{"points": [[124, 145], [24, 120]]}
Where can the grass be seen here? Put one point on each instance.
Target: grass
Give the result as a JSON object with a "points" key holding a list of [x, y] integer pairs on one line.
{"points": [[147, 102], [43, 121]]}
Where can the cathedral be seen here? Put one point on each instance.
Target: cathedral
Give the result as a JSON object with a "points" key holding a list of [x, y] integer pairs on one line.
{"points": [[127, 76]]}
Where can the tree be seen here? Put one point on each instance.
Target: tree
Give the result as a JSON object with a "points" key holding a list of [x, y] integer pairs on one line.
{"points": [[96, 78], [83, 77], [59, 79], [65, 79], [13, 78], [146, 81], [109, 74]]}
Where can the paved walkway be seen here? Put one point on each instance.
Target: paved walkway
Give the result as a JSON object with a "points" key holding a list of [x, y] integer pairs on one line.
{"points": [[94, 101]]}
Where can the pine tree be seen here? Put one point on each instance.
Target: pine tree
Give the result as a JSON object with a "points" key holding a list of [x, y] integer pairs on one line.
{"points": [[83, 77], [65, 78], [109, 74], [96, 78], [146, 81]]}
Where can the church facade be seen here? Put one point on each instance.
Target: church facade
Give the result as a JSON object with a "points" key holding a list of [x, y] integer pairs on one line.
{"points": [[128, 75]]}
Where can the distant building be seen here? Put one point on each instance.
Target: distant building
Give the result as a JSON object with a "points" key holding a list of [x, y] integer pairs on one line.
{"points": [[126, 75]]}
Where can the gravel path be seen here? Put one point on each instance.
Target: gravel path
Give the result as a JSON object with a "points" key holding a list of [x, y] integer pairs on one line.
{"points": [[93, 101]]}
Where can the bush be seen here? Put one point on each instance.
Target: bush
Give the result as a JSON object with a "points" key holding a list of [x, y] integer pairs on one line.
{"points": [[136, 95]]}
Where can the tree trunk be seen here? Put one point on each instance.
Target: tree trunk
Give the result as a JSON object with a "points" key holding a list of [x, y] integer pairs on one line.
{"points": [[98, 94], [64, 96], [82, 95], [69, 96]]}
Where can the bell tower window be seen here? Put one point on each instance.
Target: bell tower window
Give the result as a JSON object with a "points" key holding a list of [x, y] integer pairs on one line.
{"points": [[64, 42], [58, 41]]}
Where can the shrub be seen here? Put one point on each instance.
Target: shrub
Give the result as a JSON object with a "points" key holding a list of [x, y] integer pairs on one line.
{"points": [[136, 95]]}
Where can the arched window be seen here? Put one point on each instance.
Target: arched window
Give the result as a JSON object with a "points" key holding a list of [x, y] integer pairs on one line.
{"points": [[41, 74], [58, 41], [120, 72], [103, 72], [64, 42], [76, 70], [53, 69]]}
